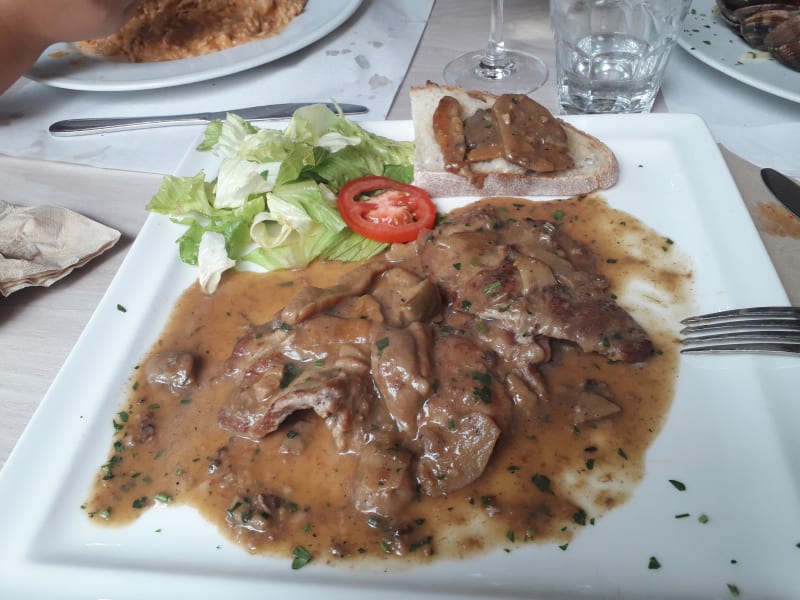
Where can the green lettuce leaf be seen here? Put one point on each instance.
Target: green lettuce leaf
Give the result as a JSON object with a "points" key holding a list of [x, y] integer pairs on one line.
{"points": [[273, 200]]}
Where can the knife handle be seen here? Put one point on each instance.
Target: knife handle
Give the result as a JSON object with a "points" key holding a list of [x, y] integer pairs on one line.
{"points": [[101, 125]]}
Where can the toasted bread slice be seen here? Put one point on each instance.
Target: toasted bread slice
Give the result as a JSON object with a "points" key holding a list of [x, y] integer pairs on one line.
{"points": [[595, 167]]}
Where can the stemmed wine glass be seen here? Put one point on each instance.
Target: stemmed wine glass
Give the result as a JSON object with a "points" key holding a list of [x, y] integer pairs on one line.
{"points": [[497, 69]]}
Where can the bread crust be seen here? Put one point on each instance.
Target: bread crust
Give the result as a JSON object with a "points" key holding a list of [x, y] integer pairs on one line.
{"points": [[596, 166]]}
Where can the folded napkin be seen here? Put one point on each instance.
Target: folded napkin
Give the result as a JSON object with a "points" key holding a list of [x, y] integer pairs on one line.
{"points": [[41, 244]]}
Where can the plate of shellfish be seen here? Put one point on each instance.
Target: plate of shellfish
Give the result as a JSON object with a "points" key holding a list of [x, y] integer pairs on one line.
{"points": [[754, 41]]}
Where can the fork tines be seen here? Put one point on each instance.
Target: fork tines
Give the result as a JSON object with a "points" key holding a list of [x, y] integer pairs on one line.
{"points": [[763, 329]]}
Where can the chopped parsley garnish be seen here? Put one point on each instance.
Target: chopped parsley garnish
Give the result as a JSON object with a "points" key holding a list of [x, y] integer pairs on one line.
{"points": [[653, 564], [542, 482], [681, 487], [301, 557], [484, 392]]}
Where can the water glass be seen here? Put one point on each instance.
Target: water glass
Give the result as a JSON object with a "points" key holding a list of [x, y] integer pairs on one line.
{"points": [[611, 54]]}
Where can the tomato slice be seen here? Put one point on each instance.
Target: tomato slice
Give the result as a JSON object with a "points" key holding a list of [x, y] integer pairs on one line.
{"points": [[386, 210]]}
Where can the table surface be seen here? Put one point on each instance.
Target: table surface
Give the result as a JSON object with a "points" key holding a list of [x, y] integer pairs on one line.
{"points": [[39, 326]]}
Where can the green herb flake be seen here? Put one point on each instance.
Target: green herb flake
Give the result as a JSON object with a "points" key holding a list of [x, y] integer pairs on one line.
{"points": [[682, 516], [579, 517], [139, 502], [703, 519], [590, 464], [678, 485], [653, 564], [292, 434], [121, 308], [542, 482], [621, 452], [301, 557], [457, 266], [734, 590], [382, 344], [492, 287], [163, 497], [290, 372], [564, 547], [559, 214], [426, 541]]}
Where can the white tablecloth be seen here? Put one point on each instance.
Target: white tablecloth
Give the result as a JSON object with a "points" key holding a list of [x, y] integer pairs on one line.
{"points": [[760, 127], [362, 62]]}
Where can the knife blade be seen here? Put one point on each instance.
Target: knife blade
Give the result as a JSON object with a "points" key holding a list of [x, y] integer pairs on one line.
{"points": [[71, 127], [785, 189]]}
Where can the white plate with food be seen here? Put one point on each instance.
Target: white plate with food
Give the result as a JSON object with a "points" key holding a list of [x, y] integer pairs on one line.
{"points": [[710, 40], [65, 65], [713, 515]]}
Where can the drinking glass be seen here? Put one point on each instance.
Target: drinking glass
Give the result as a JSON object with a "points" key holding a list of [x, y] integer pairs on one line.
{"points": [[497, 69], [611, 54]]}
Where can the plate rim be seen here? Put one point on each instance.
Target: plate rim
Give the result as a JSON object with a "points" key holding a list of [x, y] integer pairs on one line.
{"points": [[195, 69], [675, 122], [695, 49]]}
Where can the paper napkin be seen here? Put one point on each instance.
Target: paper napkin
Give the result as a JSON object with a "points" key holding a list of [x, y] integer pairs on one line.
{"points": [[41, 244]]}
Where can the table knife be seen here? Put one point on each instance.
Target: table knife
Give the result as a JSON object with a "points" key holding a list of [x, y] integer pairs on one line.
{"points": [[254, 113], [785, 189]]}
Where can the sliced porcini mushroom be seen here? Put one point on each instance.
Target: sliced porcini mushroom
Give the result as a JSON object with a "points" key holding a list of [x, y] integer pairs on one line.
{"points": [[593, 403], [402, 370], [531, 137], [482, 136], [406, 297], [456, 455], [448, 129], [382, 484], [311, 300], [175, 370]]}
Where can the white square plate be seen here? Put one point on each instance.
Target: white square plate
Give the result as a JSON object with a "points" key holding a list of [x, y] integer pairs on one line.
{"points": [[731, 437]]}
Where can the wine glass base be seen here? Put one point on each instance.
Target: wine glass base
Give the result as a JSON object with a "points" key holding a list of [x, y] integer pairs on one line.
{"points": [[522, 74]]}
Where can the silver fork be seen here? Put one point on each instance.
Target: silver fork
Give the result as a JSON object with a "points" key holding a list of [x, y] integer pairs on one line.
{"points": [[761, 329]]}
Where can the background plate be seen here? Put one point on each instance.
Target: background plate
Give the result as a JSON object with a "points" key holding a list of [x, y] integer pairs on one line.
{"points": [[708, 39], [64, 65], [730, 437]]}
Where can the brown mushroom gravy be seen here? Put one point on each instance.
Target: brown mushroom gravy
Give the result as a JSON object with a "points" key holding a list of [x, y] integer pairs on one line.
{"points": [[413, 406], [516, 129]]}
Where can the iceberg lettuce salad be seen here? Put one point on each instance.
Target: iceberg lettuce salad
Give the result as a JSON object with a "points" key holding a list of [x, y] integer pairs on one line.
{"points": [[273, 200]]}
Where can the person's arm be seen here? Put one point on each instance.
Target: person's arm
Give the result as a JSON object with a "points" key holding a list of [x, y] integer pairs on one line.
{"points": [[28, 27]]}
